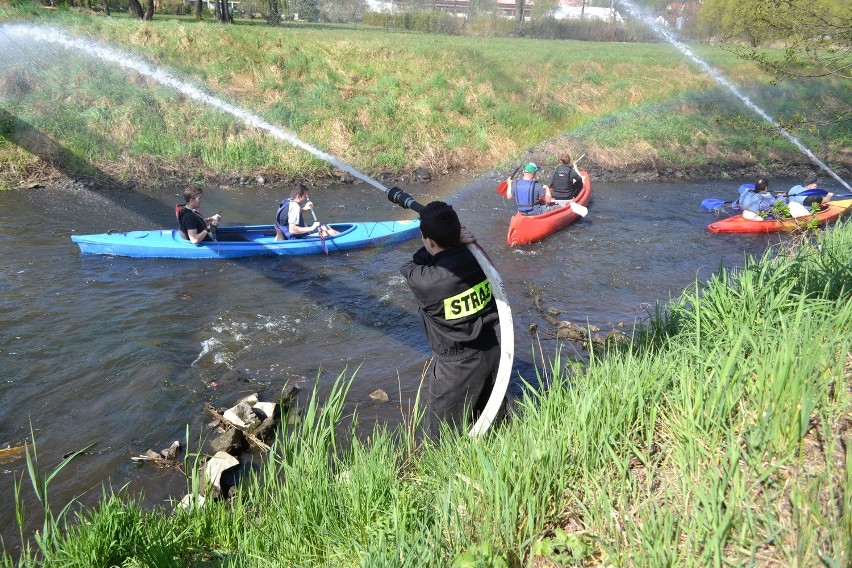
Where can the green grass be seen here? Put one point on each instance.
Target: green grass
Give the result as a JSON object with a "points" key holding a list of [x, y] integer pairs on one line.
{"points": [[718, 436], [387, 101]]}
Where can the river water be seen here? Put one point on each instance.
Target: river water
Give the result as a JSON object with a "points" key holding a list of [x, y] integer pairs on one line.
{"points": [[123, 353]]}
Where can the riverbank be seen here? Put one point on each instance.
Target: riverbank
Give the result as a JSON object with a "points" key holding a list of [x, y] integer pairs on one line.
{"points": [[390, 105], [719, 436]]}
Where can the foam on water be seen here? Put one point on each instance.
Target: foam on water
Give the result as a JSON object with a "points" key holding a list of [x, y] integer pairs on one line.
{"points": [[667, 36]]}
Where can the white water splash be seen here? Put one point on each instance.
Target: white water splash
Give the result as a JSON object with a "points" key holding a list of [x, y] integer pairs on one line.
{"points": [[667, 36], [26, 34]]}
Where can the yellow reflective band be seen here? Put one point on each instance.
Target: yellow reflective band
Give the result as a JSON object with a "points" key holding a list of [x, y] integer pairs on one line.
{"points": [[468, 302]]}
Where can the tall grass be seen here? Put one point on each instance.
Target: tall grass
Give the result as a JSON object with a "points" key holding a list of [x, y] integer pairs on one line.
{"points": [[719, 436]]}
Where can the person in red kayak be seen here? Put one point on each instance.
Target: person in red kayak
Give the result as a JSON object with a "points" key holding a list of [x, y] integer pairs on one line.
{"points": [[565, 182], [194, 226], [531, 197]]}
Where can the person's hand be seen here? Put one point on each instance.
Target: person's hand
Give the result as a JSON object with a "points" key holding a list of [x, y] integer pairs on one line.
{"points": [[315, 226], [308, 206], [466, 237], [214, 220]]}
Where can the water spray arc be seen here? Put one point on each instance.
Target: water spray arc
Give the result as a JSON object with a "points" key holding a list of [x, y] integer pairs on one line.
{"points": [[668, 37], [28, 33]]}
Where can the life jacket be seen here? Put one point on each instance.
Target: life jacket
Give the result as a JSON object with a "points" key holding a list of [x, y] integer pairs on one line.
{"points": [[566, 182], [525, 195], [756, 202], [285, 227], [180, 208]]}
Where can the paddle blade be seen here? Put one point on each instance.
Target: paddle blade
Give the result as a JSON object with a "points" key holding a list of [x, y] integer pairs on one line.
{"points": [[580, 210], [502, 187], [711, 204], [817, 191], [746, 187]]}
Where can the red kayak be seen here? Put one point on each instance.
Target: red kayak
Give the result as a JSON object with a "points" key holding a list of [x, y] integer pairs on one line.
{"points": [[525, 229], [737, 224]]}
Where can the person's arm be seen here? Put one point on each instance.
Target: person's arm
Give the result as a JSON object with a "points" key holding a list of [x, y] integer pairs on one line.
{"points": [[297, 230], [509, 194], [293, 221], [196, 236]]}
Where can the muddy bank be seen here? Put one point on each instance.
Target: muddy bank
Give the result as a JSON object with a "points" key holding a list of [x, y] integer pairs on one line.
{"points": [[643, 169]]}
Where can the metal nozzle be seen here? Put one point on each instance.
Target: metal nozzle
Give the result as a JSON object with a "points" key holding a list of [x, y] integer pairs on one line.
{"points": [[404, 200]]}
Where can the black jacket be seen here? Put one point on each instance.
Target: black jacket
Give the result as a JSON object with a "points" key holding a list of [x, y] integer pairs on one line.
{"points": [[565, 183], [455, 300]]}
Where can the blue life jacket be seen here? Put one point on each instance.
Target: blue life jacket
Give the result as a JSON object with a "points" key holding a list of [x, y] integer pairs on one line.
{"points": [[757, 202], [525, 195], [285, 227]]}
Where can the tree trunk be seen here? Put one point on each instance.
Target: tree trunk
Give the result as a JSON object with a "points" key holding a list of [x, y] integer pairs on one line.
{"points": [[149, 11], [199, 6], [519, 15], [135, 9], [274, 15], [105, 5]]}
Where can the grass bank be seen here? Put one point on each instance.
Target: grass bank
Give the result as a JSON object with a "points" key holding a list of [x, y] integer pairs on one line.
{"points": [[720, 436], [386, 101]]}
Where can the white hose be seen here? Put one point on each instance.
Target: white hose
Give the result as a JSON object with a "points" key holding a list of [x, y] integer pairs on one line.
{"points": [[507, 343]]}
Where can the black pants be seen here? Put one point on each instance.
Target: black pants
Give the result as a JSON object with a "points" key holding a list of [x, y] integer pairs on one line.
{"points": [[459, 387]]}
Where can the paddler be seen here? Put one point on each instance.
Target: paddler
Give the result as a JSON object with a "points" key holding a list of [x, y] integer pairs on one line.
{"points": [[194, 226], [529, 195]]}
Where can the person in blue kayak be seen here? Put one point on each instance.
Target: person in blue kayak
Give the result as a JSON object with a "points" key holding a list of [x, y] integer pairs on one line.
{"points": [[531, 197], [194, 226], [289, 221], [460, 317], [565, 182]]}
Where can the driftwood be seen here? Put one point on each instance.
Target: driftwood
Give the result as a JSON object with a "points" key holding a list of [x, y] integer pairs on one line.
{"points": [[254, 440]]}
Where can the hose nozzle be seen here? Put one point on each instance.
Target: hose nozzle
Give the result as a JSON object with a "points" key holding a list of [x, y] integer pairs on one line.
{"points": [[404, 200]]}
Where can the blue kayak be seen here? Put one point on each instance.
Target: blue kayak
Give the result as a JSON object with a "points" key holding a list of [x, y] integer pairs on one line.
{"points": [[246, 240]]}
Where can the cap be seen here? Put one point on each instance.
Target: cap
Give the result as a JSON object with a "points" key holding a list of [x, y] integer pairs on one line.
{"points": [[531, 168]]}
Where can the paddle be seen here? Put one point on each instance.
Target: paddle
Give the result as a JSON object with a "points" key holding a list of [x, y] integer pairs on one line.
{"points": [[321, 236], [578, 209], [503, 186]]}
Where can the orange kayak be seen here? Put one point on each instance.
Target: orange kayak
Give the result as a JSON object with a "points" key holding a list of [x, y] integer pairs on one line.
{"points": [[525, 229], [737, 224]]}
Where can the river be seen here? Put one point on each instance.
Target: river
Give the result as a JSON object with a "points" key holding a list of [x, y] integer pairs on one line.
{"points": [[123, 353]]}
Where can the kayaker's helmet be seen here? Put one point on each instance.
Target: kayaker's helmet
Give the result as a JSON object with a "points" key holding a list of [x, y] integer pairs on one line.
{"points": [[531, 168]]}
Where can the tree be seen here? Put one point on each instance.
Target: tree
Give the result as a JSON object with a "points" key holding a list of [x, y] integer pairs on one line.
{"points": [[223, 14], [816, 35], [199, 7], [519, 15], [149, 11], [306, 9], [135, 9], [105, 5]]}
